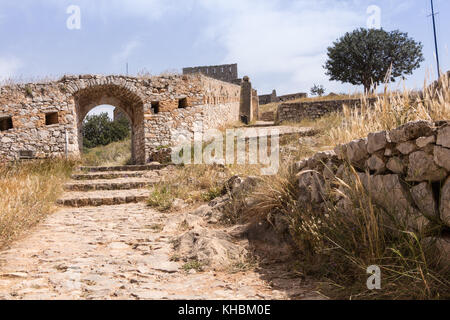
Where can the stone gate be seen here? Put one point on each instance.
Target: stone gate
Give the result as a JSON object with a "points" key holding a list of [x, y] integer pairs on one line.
{"points": [[45, 119]]}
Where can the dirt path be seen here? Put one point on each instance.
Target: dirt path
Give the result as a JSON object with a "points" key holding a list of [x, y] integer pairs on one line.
{"points": [[122, 251]]}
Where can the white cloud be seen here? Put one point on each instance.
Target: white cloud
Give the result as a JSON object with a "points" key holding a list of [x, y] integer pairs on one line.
{"points": [[9, 67], [284, 40]]}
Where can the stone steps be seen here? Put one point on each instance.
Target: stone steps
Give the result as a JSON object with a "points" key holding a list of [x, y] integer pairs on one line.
{"points": [[105, 184], [98, 186], [107, 175], [146, 167], [101, 198]]}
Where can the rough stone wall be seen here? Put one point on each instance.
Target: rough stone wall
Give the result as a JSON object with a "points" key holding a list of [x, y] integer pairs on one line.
{"points": [[226, 72], [272, 98], [180, 99], [268, 98], [406, 171], [267, 116], [296, 112], [293, 96]]}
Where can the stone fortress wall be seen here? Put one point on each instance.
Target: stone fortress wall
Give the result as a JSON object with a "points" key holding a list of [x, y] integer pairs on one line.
{"points": [[297, 111], [229, 73], [226, 72], [273, 98], [405, 170], [45, 119]]}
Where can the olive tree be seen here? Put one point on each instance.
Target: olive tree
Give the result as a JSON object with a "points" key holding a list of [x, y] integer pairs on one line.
{"points": [[367, 56]]}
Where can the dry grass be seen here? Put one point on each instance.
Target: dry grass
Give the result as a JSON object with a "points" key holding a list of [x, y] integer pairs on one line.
{"points": [[337, 248], [392, 109], [114, 154], [28, 194], [340, 247], [194, 184]]}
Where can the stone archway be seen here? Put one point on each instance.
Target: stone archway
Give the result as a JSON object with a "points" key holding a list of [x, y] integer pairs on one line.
{"points": [[118, 96]]}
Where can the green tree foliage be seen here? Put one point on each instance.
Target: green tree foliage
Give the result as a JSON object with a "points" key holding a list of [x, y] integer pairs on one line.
{"points": [[365, 56], [317, 90], [100, 130]]}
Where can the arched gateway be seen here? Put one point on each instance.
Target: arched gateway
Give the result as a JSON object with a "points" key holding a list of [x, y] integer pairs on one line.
{"points": [[44, 119]]}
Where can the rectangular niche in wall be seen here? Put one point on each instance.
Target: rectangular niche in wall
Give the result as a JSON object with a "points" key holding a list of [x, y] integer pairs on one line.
{"points": [[51, 118], [155, 107], [6, 123], [182, 103]]}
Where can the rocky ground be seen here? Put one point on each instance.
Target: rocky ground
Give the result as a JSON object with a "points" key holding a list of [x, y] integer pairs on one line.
{"points": [[122, 249]]}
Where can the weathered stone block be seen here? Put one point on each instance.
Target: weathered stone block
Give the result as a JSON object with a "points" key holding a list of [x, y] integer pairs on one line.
{"points": [[391, 194], [406, 147], [396, 165], [376, 163], [357, 151], [424, 141], [442, 157], [424, 199], [422, 168], [410, 131], [443, 137], [376, 141]]}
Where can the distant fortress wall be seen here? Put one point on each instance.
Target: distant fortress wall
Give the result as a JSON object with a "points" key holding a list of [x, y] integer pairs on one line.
{"points": [[271, 98], [226, 72]]}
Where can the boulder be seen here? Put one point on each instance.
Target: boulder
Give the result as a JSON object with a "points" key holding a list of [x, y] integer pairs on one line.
{"points": [[376, 141], [239, 186], [443, 137], [424, 141], [411, 130], [376, 163], [396, 165], [442, 157], [391, 194], [422, 168], [406, 147], [357, 151], [213, 248], [424, 199]]}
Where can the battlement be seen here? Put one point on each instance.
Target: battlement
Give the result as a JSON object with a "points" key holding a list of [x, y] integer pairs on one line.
{"points": [[225, 72]]}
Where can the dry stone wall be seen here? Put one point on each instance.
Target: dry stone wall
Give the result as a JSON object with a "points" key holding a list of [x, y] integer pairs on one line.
{"points": [[406, 171], [39, 118], [271, 98], [296, 112]]}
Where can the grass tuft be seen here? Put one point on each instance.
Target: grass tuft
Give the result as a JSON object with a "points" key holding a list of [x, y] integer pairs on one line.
{"points": [[28, 194]]}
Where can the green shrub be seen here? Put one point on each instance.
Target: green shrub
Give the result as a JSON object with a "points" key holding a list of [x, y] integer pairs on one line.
{"points": [[100, 130]]}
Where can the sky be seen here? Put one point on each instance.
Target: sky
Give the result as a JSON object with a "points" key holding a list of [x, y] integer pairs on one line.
{"points": [[279, 44]]}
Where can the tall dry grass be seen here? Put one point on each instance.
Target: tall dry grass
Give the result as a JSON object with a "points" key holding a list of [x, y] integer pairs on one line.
{"points": [[391, 110], [28, 192]]}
